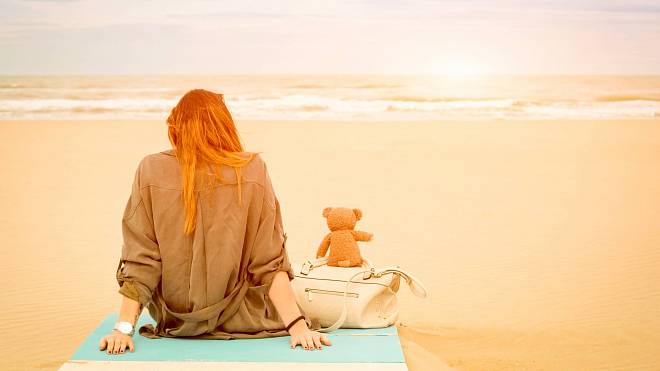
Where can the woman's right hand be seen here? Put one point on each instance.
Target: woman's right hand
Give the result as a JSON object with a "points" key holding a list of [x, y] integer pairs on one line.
{"points": [[116, 343], [308, 339]]}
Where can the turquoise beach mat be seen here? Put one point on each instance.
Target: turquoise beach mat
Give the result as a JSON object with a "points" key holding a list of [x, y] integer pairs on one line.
{"points": [[357, 347]]}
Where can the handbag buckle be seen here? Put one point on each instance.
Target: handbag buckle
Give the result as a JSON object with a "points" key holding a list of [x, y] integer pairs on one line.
{"points": [[306, 267]]}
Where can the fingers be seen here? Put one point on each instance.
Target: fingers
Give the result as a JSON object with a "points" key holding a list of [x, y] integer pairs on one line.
{"points": [[114, 344], [325, 339], [111, 343], [123, 345], [131, 346], [317, 341], [310, 341], [303, 342], [116, 347]]}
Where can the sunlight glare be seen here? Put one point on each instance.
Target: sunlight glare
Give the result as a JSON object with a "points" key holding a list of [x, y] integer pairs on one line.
{"points": [[457, 69]]}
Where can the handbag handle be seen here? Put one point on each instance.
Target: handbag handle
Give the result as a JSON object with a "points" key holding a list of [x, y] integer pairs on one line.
{"points": [[313, 263], [415, 285]]}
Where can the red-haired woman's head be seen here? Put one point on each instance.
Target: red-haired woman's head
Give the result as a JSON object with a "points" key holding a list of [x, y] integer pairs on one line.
{"points": [[202, 131]]}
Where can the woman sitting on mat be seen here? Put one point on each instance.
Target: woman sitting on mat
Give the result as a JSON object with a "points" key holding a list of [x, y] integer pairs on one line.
{"points": [[204, 245]]}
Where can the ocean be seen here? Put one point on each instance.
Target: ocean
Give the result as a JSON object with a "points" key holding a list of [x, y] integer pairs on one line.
{"points": [[336, 97]]}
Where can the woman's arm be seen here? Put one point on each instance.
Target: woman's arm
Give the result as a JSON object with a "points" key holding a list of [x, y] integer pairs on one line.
{"points": [[116, 342], [282, 296], [269, 265], [130, 310], [139, 269]]}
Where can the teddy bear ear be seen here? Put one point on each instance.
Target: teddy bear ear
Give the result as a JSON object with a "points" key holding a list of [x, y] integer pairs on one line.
{"points": [[326, 211], [358, 213]]}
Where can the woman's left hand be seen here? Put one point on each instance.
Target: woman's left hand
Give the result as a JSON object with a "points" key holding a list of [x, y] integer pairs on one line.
{"points": [[116, 343]]}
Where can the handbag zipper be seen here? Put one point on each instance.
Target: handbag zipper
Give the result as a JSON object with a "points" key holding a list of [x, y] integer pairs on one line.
{"points": [[331, 292]]}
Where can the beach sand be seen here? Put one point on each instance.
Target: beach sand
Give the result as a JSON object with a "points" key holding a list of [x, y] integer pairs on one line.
{"points": [[538, 242]]}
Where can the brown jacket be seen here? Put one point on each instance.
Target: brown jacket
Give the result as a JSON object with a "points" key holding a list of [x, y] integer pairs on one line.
{"points": [[213, 283]]}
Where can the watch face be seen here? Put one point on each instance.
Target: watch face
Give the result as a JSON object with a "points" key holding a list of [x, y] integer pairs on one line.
{"points": [[125, 327]]}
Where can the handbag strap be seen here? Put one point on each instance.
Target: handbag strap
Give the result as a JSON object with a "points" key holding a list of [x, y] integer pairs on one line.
{"points": [[313, 263], [344, 309], [415, 286]]}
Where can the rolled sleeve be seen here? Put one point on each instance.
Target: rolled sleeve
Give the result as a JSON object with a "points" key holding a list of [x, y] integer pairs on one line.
{"points": [[269, 254], [129, 290], [140, 262], [279, 263]]}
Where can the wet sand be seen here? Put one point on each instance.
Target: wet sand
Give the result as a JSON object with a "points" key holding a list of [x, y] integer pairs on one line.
{"points": [[539, 242]]}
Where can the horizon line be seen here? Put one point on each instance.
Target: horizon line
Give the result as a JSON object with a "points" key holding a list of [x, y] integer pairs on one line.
{"points": [[343, 74]]}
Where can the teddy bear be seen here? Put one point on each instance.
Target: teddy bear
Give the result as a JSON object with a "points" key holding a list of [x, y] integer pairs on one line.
{"points": [[342, 239]]}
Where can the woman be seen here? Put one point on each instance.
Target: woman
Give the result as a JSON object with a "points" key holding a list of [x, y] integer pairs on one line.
{"points": [[204, 246]]}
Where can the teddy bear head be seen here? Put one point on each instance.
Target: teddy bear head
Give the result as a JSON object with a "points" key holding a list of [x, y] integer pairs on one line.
{"points": [[341, 218]]}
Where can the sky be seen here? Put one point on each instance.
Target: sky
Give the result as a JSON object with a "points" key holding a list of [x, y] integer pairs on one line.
{"points": [[94, 37]]}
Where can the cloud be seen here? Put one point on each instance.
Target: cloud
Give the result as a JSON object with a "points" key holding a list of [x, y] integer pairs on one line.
{"points": [[337, 36], [50, 1]]}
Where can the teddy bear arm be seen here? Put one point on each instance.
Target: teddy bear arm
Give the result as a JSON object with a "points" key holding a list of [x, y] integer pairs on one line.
{"points": [[362, 236], [323, 247]]}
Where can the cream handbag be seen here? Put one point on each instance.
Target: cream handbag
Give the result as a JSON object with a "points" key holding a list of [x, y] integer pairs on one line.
{"points": [[350, 297]]}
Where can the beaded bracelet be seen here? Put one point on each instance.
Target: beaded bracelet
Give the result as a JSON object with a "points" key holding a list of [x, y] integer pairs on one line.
{"points": [[294, 321]]}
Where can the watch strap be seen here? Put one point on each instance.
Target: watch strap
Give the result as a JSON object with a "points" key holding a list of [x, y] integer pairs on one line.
{"points": [[117, 327]]}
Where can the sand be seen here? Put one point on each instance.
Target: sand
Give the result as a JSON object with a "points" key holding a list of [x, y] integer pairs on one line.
{"points": [[539, 242]]}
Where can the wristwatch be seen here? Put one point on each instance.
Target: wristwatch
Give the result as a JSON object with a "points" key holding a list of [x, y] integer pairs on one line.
{"points": [[124, 327]]}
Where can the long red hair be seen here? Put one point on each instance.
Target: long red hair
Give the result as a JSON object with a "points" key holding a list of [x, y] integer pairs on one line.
{"points": [[202, 131]]}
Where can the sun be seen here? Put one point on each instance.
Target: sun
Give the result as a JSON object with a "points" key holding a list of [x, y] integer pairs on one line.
{"points": [[457, 69]]}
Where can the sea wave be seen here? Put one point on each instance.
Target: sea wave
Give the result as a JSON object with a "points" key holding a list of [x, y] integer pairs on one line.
{"points": [[12, 86], [323, 97], [306, 107], [627, 98], [403, 98], [345, 86]]}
